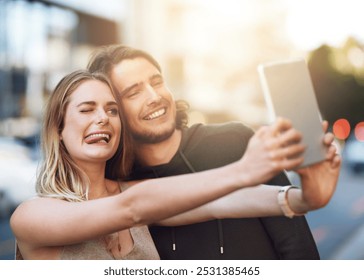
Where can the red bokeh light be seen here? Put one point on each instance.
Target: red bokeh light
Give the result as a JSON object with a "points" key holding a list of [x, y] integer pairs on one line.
{"points": [[359, 132], [341, 129]]}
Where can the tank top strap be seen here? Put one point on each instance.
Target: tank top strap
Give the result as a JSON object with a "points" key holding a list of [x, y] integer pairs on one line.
{"points": [[123, 186]]}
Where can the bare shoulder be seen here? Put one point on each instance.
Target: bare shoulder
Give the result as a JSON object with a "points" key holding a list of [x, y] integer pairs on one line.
{"points": [[36, 203], [30, 209], [32, 224]]}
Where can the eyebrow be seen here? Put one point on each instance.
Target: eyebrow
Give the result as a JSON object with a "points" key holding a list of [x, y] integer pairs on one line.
{"points": [[129, 88], [93, 103], [156, 76]]}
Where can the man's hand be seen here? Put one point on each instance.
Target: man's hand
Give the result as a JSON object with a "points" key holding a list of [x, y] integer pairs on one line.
{"points": [[319, 180]]}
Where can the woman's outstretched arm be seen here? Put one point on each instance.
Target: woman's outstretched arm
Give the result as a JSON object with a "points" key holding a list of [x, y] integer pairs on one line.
{"points": [[50, 222]]}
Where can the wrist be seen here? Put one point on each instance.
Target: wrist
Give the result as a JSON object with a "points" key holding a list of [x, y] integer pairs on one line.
{"points": [[240, 178], [285, 205]]}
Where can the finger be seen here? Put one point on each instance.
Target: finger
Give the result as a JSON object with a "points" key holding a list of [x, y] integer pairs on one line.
{"points": [[336, 162], [280, 125], [325, 125], [328, 138], [290, 151], [292, 163], [330, 153], [289, 136]]}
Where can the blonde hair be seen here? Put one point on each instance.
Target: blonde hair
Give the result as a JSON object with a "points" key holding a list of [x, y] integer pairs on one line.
{"points": [[58, 175]]}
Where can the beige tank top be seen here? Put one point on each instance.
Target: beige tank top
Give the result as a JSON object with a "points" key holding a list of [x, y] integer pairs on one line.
{"points": [[143, 247]]}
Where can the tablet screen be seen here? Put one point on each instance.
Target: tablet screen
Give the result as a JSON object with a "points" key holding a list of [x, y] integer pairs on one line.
{"points": [[289, 93]]}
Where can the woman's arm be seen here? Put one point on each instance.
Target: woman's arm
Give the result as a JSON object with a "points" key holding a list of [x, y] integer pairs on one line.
{"points": [[51, 222]]}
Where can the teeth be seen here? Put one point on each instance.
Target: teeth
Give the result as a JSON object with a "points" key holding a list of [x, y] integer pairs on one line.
{"points": [[101, 135], [156, 114]]}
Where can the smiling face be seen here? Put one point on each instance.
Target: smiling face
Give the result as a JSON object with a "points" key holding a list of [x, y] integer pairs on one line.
{"points": [[92, 126], [148, 104]]}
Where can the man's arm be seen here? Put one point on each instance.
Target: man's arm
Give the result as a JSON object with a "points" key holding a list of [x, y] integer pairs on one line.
{"points": [[292, 238]]}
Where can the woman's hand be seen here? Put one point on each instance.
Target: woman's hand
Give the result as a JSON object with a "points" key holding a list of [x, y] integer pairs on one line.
{"points": [[271, 150]]}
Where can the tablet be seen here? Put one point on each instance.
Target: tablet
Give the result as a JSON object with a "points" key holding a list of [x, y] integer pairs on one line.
{"points": [[289, 93]]}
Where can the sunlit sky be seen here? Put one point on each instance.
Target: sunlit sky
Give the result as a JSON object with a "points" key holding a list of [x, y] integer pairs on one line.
{"points": [[313, 22], [309, 24]]}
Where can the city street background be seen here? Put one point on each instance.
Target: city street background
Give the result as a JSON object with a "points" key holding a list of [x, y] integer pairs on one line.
{"points": [[209, 51]]}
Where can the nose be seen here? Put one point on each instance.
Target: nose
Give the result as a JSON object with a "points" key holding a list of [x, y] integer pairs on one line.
{"points": [[102, 118], [153, 95]]}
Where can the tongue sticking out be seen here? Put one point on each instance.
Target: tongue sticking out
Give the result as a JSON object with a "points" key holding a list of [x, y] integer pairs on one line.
{"points": [[96, 139]]}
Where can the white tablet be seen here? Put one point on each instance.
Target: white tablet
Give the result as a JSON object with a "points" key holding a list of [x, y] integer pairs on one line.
{"points": [[289, 93]]}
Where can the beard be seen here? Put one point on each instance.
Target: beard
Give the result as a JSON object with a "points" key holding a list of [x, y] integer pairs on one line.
{"points": [[152, 136]]}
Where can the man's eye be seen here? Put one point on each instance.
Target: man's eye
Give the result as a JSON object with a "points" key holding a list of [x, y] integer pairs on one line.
{"points": [[134, 93], [157, 83]]}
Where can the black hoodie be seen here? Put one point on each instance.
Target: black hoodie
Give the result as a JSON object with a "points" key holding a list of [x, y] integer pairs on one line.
{"points": [[205, 147]]}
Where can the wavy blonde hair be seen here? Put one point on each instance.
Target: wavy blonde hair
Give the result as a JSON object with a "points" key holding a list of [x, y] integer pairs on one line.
{"points": [[58, 175]]}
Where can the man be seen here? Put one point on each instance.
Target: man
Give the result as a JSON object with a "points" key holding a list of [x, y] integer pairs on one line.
{"points": [[165, 146]]}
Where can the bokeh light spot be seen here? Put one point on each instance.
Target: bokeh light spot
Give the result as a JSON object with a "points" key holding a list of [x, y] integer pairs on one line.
{"points": [[359, 132], [341, 129]]}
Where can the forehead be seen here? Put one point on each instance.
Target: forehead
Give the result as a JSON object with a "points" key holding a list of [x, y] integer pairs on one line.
{"points": [[91, 90], [132, 71]]}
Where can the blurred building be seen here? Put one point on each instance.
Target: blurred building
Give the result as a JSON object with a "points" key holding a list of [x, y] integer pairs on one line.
{"points": [[209, 50], [40, 41]]}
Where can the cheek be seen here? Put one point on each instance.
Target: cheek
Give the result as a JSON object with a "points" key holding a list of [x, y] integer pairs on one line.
{"points": [[68, 139], [71, 133], [167, 94], [130, 111]]}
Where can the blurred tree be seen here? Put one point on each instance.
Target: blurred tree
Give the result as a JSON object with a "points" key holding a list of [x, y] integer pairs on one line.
{"points": [[338, 83]]}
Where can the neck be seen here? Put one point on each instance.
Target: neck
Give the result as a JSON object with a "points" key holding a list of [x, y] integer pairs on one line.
{"points": [[158, 153], [96, 175]]}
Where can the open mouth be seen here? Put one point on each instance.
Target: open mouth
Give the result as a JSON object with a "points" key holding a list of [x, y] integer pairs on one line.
{"points": [[97, 138], [155, 114]]}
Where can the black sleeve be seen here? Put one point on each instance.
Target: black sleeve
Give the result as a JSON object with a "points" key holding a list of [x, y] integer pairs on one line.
{"points": [[292, 238]]}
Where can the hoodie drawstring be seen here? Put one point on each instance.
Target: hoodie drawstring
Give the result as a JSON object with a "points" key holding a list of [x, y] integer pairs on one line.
{"points": [[221, 236], [173, 232], [219, 223]]}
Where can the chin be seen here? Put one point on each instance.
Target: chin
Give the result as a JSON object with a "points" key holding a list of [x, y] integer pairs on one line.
{"points": [[153, 136]]}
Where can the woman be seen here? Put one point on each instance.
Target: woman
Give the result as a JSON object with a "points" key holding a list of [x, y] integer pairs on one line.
{"points": [[80, 214]]}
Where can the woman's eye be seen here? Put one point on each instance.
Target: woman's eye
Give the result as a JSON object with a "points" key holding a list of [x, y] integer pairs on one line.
{"points": [[85, 110], [113, 111]]}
